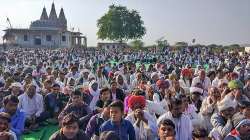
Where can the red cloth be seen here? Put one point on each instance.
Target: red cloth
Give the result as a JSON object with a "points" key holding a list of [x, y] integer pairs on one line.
{"points": [[136, 100]]}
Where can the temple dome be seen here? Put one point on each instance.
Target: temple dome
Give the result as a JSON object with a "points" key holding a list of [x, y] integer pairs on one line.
{"points": [[51, 22]]}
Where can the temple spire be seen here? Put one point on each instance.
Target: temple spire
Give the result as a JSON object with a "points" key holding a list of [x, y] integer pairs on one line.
{"points": [[53, 15], [62, 15], [44, 15]]}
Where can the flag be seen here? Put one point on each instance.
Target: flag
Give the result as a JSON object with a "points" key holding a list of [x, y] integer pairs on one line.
{"points": [[193, 41]]}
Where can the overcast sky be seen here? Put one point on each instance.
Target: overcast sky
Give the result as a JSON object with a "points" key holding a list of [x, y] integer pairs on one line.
{"points": [[209, 21]]}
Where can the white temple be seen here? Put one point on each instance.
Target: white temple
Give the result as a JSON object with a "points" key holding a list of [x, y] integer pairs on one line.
{"points": [[49, 31]]}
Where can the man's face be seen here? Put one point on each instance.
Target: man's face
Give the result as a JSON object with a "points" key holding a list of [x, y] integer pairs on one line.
{"points": [[139, 76], [202, 75], [105, 95], [246, 112], [49, 70], [115, 114], [165, 131], [15, 89], [155, 78], [195, 97], [120, 80], [215, 94], [85, 75], [11, 107], [4, 125], [237, 92], [106, 112], [244, 131], [73, 70], [71, 82], [61, 75], [76, 99], [114, 86], [31, 91], [184, 103], [55, 89], [177, 110], [227, 113], [70, 131], [176, 84]]}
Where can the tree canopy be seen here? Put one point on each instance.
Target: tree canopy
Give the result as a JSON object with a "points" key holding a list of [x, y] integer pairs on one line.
{"points": [[120, 24], [137, 44]]}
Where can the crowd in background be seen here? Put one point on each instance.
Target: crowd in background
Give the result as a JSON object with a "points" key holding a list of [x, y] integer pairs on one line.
{"points": [[187, 94]]}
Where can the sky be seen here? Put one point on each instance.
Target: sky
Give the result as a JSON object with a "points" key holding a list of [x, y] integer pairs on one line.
{"points": [[208, 21]]}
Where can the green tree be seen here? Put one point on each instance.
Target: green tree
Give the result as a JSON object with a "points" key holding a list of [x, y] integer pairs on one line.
{"points": [[137, 44], [120, 24], [162, 43]]}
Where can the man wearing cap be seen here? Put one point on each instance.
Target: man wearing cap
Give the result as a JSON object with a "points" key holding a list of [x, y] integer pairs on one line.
{"points": [[222, 121], [209, 106], [241, 131], [236, 93], [84, 76]]}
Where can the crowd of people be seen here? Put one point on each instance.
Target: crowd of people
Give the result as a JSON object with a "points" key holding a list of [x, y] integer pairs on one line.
{"points": [[90, 94]]}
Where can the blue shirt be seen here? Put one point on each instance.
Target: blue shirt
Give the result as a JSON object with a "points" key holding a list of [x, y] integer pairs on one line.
{"points": [[17, 122], [125, 130]]}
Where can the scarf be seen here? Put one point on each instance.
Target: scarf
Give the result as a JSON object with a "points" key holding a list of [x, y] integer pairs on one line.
{"points": [[94, 94]]}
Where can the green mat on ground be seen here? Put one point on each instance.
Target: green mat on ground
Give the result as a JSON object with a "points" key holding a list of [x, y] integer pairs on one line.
{"points": [[43, 134]]}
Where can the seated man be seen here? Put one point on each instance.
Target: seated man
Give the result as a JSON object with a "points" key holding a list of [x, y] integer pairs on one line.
{"points": [[54, 101], [166, 129], [222, 121], [105, 95], [92, 129], [244, 108], [109, 135], [5, 132], [200, 134], [183, 124], [32, 104], [78, 107], [144, 124], [241, 131], [123, 128], [70, 129], [17, 116]]}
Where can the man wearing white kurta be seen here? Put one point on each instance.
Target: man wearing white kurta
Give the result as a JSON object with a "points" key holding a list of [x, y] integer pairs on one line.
{"points": [[183, 125]]}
